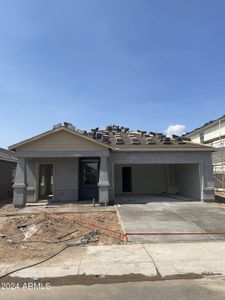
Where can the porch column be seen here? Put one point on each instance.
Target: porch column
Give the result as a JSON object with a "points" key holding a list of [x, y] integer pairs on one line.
{"points": [[207, 183], [103, 184], [19, 194]]}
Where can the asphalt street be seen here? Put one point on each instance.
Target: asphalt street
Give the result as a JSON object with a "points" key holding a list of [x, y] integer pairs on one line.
{"points": [[207, 289]]}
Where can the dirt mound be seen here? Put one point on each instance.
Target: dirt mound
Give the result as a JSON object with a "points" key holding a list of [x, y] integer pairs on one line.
{"points": [[37, 236]]}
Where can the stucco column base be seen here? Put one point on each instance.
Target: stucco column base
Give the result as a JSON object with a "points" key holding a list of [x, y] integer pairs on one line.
{"points": [[103, 190], [19, 195], [208, 194]]}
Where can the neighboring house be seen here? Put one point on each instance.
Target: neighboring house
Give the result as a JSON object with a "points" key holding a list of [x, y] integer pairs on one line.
{"points": [[7, 173], [65, 164], [213, 134]]}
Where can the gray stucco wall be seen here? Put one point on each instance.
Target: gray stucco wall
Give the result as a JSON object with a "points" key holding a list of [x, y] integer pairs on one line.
{"points": [[188, 180], [65, 178], [6, 179]]}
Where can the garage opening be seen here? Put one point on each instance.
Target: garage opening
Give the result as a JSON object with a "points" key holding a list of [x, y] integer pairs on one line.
{"points": [[176, 181]]}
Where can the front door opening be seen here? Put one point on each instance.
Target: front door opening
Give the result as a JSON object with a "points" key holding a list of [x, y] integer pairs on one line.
{"points": [[126, 179], [45, 181], [88, 179]]}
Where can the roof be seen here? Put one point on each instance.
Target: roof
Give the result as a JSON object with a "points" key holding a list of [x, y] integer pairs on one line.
{"points": [[7, 155], [46, 133], [205, 126], [118, 138], [136, 141]]}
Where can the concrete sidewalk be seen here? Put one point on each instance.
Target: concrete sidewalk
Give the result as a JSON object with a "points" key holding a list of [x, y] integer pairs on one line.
{"points": [[152, 260]]}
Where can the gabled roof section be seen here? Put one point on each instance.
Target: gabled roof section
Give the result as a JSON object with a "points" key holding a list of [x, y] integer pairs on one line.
{"points": [[205, 126], [114, 137], [49, 133], [7, 155]]}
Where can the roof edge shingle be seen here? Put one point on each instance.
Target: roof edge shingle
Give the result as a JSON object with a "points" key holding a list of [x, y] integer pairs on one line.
{"points": [[7, 155]]}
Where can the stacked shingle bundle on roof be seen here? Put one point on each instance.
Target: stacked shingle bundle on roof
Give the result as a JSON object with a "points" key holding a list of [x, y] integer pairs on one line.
{"points": [[123, 138]]}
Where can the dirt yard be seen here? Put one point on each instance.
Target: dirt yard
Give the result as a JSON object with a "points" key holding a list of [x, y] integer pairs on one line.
{"points": [[220, 196], [39, 236], [7, 205]]}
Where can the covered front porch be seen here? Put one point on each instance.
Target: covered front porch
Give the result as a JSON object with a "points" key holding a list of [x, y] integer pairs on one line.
{"points": [[62, 179]]}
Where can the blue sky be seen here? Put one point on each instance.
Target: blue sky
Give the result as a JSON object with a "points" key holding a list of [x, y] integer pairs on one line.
{"points": [[145, 64]]}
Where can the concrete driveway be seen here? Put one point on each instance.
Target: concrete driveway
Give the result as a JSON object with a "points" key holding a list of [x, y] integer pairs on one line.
{"points": [[175, 217]]}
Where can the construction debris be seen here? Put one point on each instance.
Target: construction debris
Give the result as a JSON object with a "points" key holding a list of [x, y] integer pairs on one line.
{"points": [[28, 231], [37, 236]]}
